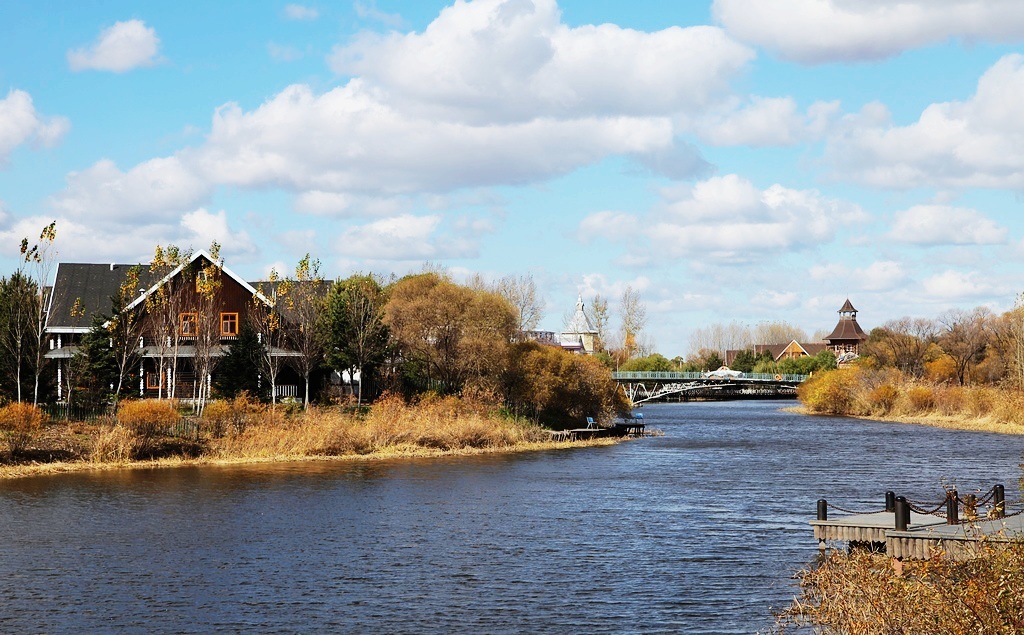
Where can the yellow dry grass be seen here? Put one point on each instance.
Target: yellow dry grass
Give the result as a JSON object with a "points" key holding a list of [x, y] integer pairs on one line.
{"points": [[433, 426]]}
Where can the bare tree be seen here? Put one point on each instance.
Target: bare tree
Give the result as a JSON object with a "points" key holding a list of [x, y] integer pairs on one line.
{"points": [[777, 333], [634, 318], [521, 293], [904, 343], [305, 304], [206, 331], [964, 338], [719, 338], [40, 260], [125, 329], [265, 317], [163, 310], [599, 312]]}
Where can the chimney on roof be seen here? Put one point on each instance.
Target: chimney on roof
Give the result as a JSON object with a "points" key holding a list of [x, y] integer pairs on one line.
{"points": [[112, 266]]}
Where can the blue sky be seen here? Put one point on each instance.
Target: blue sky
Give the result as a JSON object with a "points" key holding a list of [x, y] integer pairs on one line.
{"points": [[733, 160]]}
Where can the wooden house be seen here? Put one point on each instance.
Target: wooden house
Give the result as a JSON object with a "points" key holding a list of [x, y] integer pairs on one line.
{"points": [[181, 321]]}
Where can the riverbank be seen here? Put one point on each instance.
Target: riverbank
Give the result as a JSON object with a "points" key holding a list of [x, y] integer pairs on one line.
{"points": [[152, 434], [935, 420], [888, 395], [12, 471]]}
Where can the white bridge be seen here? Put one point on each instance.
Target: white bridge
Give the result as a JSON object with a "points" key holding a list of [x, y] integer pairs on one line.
{"points": [[651, 386]]}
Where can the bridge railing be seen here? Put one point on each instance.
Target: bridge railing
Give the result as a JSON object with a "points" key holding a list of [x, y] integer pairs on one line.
{"points": [[630, 375]]}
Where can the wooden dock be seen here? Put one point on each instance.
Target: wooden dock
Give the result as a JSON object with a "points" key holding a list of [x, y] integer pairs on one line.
{"points": [[907, 534], [866, 528], [960, 542]]}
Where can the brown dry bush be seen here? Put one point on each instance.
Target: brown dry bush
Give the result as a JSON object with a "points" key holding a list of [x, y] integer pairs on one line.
{"points": [[920, 400], [1010, 408], [882, 399], [21, 422], [860, 592], [235, 414], [148, 420], [832, 392], [950, 400], [113, 443]]}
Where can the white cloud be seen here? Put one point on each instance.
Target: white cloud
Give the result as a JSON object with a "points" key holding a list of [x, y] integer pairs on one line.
{"points": [[817, 31], [154, 191], [119, 48], [348, 139], [370, 11], [20, 123], [607, 225], [727, 218], [300, 12], [974, 143], [405, 237], [493, 92], [883, 275], [203, 227], [509, 60], [765, 122], [955, 285], [776, 299], [945, 225]]}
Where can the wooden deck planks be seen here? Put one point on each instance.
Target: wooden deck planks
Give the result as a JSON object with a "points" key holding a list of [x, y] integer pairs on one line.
{"points": [[925, 534]]}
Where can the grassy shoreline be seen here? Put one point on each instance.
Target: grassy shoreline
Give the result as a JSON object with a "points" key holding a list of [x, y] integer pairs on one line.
{"points": [[150, 434], [14, 471]]}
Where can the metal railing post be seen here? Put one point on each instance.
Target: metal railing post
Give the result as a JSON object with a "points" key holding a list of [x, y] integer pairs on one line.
{"points": [[822, 509], [890, 501], [902, 513], [952, 508]]}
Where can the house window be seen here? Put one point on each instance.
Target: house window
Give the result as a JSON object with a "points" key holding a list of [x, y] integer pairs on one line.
{"points": [[154, 380], [201, 278], [189, 325], [228, 324]]}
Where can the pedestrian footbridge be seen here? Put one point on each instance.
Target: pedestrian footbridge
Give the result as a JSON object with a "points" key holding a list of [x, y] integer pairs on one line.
{"points": [[655, 386]]}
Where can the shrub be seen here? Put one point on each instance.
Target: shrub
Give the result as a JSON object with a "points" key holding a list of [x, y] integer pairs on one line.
{"points": [[237, 413], [114, 443], [147, 420], [830, 392], [921, 399], [21, 422], [883, 398]]}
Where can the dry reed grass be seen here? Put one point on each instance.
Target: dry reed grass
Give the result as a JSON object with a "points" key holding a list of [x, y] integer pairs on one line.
{"points": [[430, 426], [887, 394], [860, 592]]}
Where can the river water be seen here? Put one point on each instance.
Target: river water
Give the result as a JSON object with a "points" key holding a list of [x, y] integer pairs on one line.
{"points": [[696, 531]]}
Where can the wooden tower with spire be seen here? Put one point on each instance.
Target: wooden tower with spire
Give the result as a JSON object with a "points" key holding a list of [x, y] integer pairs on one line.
{"points": [[848, 335]]}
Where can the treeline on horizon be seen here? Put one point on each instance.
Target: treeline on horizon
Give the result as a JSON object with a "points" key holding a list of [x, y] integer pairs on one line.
{"points": [[421, 333], [961, 363]]}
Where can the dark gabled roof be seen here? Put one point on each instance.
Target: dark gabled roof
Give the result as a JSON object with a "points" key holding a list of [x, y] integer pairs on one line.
{"points": [[847, 307], [82, 290], [847, 331]]}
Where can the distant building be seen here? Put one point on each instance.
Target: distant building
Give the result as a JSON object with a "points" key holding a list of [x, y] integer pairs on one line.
{"points": [[846, 338], [579, 336], [844, 341]]}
